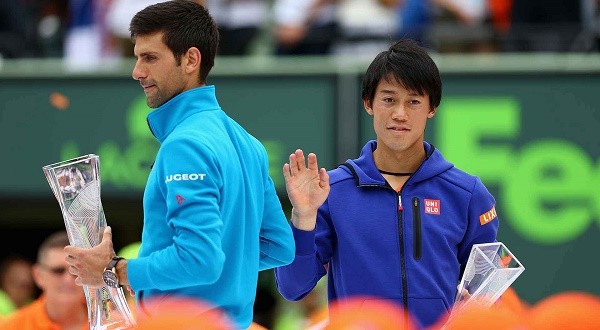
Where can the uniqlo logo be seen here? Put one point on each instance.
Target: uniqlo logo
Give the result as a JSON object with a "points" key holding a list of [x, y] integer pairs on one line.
{"points": [[432, 206]]}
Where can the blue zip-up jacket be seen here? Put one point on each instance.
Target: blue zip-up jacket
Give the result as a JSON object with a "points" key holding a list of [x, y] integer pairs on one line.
{"points": [[212, 218], [407, 247]]}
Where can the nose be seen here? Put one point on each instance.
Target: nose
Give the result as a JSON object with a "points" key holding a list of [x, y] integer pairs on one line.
{"points": [[399, 113], [138, 73]]}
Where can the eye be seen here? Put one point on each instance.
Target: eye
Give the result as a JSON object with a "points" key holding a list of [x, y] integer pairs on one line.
{"points": [[388, 100], [414, 102], [149, 58]]}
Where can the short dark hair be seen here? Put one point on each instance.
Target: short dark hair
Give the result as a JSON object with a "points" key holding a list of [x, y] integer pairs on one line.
{"points": [[57, 240], [410, 65], [8, 262], [185, 24]]}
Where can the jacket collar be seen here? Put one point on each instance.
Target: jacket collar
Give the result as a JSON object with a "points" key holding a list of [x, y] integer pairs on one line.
{"points": [[164, 119], [365, 171]]}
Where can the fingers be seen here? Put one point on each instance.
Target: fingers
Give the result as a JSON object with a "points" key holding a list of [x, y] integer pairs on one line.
{"points": [[286, 171], [73, 271], [298, 163], [72, 251], [312, 162], [107, 234], [323, 178]]}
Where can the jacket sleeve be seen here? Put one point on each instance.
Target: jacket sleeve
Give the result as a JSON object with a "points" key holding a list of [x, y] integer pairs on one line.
{"points": [[482, 225], [313, 252], [277, 246], [192, 250]]}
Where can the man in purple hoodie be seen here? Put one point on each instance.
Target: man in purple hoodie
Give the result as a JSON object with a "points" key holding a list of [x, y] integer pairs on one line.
{"points": [[398, 222]]}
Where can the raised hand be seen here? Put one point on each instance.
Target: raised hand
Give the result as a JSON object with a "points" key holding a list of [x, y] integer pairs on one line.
{"points": [[307, 188]]}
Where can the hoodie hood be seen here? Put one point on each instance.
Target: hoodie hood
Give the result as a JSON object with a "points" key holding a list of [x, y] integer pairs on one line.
{"points": [[366, 173]]}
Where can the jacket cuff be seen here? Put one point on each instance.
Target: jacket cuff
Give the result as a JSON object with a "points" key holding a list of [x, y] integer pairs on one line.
{"points": [[305, 241]]}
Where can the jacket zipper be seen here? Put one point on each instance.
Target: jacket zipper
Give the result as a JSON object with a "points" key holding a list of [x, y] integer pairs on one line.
{"points": [[402, 261], [417, 228]]}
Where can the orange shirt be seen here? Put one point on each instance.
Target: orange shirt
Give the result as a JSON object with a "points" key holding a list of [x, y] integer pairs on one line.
{"points": [[31, 317]]}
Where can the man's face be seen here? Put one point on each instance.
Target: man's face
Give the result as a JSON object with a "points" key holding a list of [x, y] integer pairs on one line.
{"points": [[399, 116], [52, 276], [19, 283], [157, 70]]}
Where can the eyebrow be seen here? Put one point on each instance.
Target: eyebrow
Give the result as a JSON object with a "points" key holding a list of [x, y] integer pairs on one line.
{"points": [[146, 54]]}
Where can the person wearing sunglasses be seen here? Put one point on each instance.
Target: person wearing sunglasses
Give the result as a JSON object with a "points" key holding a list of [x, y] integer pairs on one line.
{"points": [[61, 304]]}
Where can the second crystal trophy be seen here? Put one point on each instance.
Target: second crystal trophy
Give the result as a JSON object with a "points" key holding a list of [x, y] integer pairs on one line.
{"points": [[490, 270], [76, 185]]}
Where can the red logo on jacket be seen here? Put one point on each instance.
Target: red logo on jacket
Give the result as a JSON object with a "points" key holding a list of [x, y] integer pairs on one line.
{"points": [[432, 206], [180, 199]]}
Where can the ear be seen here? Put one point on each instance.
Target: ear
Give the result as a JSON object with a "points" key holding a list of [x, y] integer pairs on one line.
{"points": [[191, 60], [368, 108], [38, 278], [432, 113]]}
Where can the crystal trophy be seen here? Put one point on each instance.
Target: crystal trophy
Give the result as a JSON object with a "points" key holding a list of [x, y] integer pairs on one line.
{"points": [[491, 269], [76, 185]]}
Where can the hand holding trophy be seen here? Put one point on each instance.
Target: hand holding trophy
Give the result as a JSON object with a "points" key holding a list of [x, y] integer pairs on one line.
{"points": [[490, 270], [76, 185]]}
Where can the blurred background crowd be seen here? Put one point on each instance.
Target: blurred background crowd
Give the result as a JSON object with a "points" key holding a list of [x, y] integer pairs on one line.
{"points": [[85, 30]]}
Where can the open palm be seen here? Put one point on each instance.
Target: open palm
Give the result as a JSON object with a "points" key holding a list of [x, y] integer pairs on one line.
{"points": [[307, 187]]}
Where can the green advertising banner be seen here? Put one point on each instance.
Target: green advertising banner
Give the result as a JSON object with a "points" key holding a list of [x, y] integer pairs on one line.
{"points": [[44, 121]]}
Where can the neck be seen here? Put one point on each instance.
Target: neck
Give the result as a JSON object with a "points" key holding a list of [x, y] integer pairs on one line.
{"points": [[396, 173], [402, 163], [69, 317]]}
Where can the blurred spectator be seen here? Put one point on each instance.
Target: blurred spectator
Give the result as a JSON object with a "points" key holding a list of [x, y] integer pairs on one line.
{"points": [[87, 43], [62, 302], [360, 34], [499, 11], [305, 27], [415, 17], [240, 23], [15, 38], [545, 25], [119, 14], [17, 288], [446, 25], [463, 26], [591, 22], [50, 19]]}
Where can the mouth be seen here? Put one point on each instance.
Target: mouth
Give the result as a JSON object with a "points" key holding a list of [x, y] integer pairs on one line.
{"points": [[147, 87], [398, 129]]}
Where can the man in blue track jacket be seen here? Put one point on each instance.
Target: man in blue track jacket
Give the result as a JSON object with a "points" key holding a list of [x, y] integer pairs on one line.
{"points": [[212, 218], [397, 223]]}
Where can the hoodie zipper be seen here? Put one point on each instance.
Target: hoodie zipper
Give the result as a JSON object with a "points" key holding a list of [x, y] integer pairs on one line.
{"points": [[402, 257], [417, 228]]}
